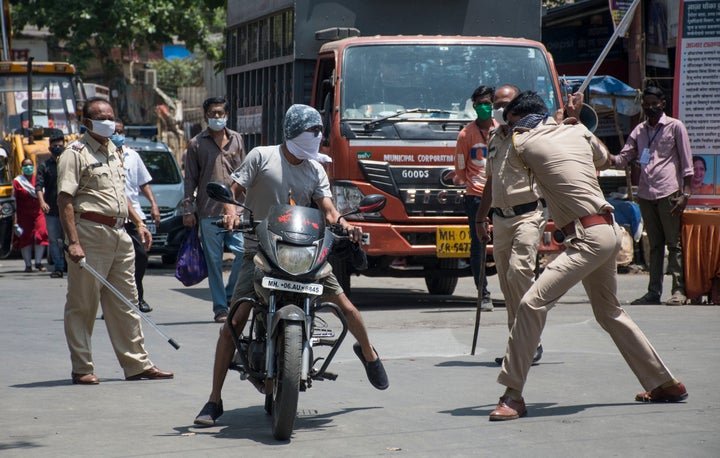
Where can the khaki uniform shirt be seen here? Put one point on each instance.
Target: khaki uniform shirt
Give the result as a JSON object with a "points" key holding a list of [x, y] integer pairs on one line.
{"points": [[93, 174], [511, 184], [561, 160]]}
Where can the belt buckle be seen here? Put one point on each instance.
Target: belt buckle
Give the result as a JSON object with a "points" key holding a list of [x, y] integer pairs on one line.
{"points": [[508, 212]]}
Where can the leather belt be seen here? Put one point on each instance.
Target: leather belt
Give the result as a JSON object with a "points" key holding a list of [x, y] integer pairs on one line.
{"points": [[588, 221], [112, 221], [517, 210]]}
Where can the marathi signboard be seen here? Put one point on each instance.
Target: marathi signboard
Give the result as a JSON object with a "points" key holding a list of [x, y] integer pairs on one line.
{"points": [[697, 89]]}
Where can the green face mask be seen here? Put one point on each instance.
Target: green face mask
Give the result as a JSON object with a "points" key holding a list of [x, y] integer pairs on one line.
{"points": [[484, 111]]}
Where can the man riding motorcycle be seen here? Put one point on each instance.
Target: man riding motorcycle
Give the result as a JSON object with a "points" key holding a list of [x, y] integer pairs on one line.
{"points": [[286, 173]]}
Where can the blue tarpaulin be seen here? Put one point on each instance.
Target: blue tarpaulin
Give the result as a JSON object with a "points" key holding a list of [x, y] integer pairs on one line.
{"points": [[175, 52], [628, 214], [603, 89]]}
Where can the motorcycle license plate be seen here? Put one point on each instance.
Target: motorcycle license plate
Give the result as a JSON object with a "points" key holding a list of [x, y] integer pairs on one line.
{"points": [[293, 286], [452, 242]]}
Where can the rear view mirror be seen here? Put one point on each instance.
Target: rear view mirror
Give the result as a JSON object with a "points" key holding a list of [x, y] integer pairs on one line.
{"points": [[221, 193], [369, 204], [372, 203]]}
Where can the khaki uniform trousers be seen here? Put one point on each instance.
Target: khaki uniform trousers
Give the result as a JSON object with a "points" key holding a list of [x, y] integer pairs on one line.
{"points": [[515, 247], [110, 252], [590, 258]]}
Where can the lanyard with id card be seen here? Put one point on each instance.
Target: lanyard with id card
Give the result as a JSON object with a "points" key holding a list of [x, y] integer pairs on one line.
{"points": [[646, 153]]}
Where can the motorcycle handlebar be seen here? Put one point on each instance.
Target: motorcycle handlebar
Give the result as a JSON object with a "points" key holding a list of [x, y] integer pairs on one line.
{"points": [[245, 226], [338, 230], [340, 233]]}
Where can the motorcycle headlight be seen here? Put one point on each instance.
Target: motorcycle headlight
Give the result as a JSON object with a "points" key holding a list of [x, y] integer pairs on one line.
{"points": [[295, 259]]}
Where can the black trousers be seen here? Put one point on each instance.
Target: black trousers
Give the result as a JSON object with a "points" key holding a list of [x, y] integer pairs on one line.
{"points": [[141, 259]]}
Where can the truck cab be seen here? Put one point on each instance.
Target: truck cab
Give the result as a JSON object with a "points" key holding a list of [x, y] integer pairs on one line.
{"points": [[393, 107], [37, 99]]}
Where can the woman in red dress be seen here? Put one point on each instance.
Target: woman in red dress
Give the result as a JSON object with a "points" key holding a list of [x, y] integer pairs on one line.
{"points": [[30, 229]]}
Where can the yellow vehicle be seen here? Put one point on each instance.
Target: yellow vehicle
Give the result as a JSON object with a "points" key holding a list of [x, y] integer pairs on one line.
{"points": [[37, 100]]}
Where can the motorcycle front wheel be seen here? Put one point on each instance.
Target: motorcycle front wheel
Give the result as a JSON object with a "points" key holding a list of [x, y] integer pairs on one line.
{"points": [[286, 386]]}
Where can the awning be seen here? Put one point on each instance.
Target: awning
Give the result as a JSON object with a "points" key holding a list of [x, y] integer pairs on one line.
{"points": [[603, 90]]}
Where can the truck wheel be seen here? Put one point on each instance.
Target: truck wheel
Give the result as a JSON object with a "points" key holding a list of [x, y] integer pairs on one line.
{"points": [[440, 282], [286, 386], [340, 269]]}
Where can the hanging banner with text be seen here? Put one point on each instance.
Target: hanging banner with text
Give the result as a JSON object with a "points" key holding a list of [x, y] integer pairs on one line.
{"points": [[697, 93], [618, 8]]}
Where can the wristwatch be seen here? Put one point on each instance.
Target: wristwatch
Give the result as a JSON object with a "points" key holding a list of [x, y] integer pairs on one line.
{"points": [[686, 195]]}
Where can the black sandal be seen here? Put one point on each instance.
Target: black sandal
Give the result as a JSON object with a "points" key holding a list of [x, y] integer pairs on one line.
{"points": [[210, 412]]}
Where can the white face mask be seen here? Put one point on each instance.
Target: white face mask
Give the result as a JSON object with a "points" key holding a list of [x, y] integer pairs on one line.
{"points": [[306, 146], [497, 115], [103, 128]]}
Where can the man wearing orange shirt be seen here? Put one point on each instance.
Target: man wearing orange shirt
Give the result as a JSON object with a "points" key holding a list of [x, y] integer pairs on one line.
{"points": [[470, 159]]}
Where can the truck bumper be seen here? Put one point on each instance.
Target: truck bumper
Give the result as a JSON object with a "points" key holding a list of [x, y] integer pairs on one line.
{"points": [[419, 240]]}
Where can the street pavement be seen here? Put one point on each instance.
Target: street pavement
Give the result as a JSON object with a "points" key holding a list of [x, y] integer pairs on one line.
{"points": [[580, 398]]}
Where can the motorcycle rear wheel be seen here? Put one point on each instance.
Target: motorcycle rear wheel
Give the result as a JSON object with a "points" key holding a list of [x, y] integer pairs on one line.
{"points": [[286, 386]]}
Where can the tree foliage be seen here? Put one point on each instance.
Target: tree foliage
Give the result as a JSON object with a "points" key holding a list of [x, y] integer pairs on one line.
{"points": [[175, 73], [90, 29]]}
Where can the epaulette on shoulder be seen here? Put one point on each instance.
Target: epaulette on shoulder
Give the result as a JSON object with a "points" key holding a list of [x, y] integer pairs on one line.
{"points": [[76, 146]]}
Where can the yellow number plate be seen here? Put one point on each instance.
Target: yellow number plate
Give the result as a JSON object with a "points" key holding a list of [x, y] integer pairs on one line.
{"points": [[452, 242]]}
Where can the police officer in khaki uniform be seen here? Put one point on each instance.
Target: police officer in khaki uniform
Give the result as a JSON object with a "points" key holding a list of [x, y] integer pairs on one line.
{"points": [[93, 207], [518, 219], [562, 160]]}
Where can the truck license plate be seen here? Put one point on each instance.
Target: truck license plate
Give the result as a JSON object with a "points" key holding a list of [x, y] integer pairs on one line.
{"points": [[292, 286], [452, 242]]}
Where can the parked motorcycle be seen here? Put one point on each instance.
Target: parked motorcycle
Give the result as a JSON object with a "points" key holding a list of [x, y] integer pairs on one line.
{"points": [[277, 354]]}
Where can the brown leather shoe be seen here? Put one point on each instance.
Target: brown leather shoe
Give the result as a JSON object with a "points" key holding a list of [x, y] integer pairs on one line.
{"points": [[508, 409], [675, 393], [151, 374], [85, 379]]}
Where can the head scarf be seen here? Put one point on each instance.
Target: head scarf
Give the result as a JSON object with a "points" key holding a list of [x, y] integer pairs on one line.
{"points": [[300, 118], [302, 144]]}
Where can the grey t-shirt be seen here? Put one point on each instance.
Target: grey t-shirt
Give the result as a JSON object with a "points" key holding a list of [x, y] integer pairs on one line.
{"points": [[269, 179]]}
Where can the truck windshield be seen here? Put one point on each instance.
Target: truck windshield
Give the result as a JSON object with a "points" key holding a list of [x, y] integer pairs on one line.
{"points": [[429, 81], [53, 103]]}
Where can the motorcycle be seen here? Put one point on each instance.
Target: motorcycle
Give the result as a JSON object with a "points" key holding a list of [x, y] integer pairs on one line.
{"points": [[277, 354]]}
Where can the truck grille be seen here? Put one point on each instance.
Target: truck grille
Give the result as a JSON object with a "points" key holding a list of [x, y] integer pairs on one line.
{"points": [[422, 189]]}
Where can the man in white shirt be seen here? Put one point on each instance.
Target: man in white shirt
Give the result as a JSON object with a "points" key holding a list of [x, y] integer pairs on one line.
{"points": [[137, 180]]}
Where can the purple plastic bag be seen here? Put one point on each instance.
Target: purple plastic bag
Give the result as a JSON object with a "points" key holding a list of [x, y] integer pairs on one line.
{"points": [[191, 268]]}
